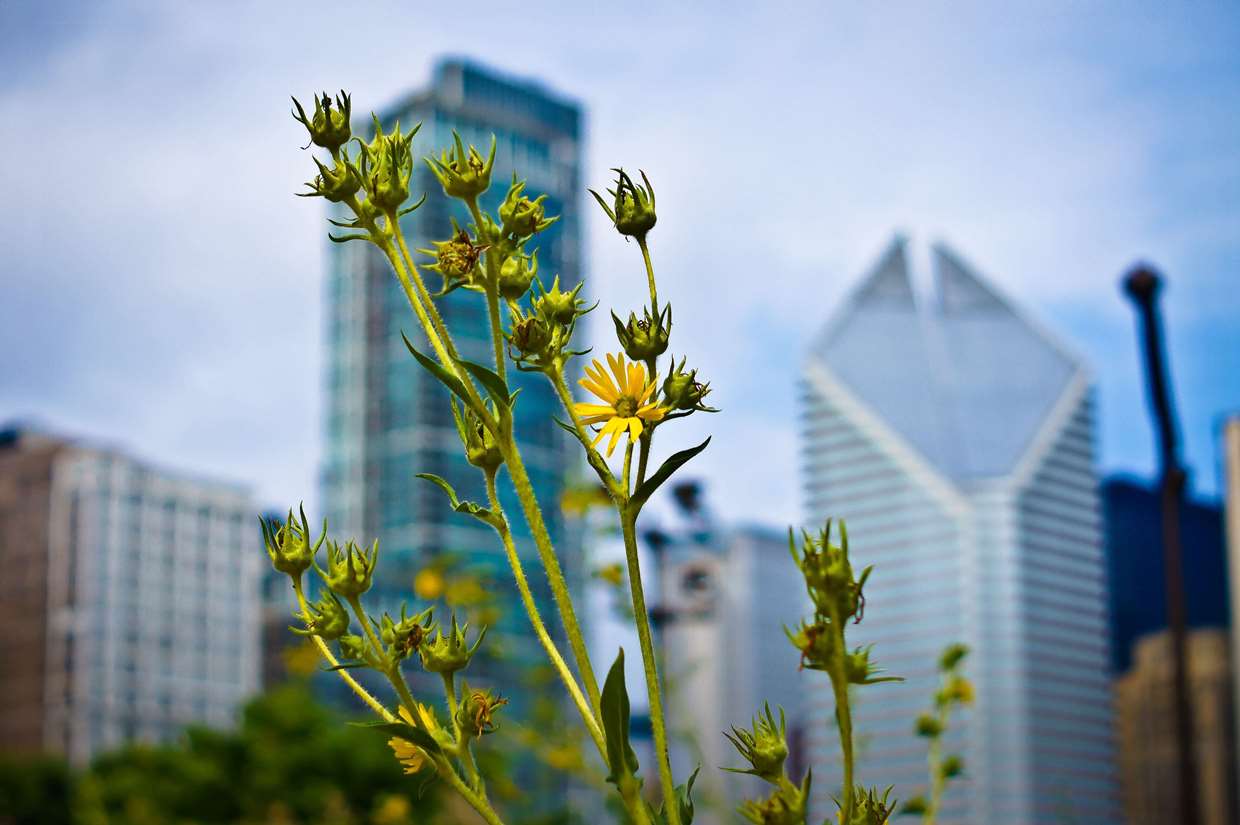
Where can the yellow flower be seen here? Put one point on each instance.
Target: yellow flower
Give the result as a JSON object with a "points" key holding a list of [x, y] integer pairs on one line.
{"points": [[428, 584], [629, 405], [408, 754]]}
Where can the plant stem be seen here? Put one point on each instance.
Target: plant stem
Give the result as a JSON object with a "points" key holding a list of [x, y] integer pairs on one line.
{"points": [[654, 295], [592, 455], [420, 285], [934, 758], [332, 661], [843, 718], [628, 524], [476, 800], [540, 629], [551, 564]]}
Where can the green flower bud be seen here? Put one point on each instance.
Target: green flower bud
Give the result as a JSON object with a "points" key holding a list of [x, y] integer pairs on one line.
{"points": [[449, 653], [475, 716], [406, 636], [928, 726], [354, 648], [916, 805], [529, 337], [869, 808], [817, 643], [456, 260], [328, 127], [860, 671], [952, 656], [350, 569], [339, 183], [387, 166], [559, 307], [463, 173], [952, 767], [288, 545], [647, 337], [327, 618], [633, 206], [829, 575], [516, 274], [522, 217], [765, 747], [682, 390], [481, 449], [785, 806]]}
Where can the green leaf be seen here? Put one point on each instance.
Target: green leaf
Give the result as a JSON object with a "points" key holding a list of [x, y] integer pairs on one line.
{"points": [[495, 385], [621, 759], [673, 463], [684, 800], [434, 368], [403, 730], [469, 508]]}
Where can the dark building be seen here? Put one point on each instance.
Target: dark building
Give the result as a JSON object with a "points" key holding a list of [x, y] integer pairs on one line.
{"points": [[1133, 542]]}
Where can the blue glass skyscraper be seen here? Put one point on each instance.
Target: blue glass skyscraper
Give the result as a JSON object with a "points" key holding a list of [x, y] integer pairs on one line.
{"points": [[956, 437], [386, 418]]}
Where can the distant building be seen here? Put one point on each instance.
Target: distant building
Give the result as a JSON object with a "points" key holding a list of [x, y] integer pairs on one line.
{"points": [[956, 437], [725, 595], [131, 598], [1231, 468], [1145, 721], [1132, 519]]}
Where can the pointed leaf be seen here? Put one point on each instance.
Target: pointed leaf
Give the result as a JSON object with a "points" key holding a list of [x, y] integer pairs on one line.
{"points": [[446, 378], [621, 759], [495, 385], [469, 508], [673, 463]]}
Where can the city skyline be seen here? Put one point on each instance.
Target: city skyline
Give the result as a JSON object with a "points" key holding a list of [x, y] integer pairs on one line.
{"points": [[1057, 170]]}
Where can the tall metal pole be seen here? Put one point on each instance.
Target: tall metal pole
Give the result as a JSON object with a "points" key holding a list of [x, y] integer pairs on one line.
{"points": [[1142, 285]]}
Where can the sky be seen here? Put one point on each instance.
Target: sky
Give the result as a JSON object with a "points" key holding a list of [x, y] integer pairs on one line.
{"points": [[161, 288]]}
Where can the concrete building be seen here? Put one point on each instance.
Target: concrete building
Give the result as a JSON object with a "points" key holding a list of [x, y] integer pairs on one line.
{"points": [[956, 437], [135, 598], [1231, 515], [1145, 723], [725, 595]]}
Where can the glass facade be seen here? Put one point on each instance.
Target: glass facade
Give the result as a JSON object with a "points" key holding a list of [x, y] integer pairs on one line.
{"points": [[957, 440], [387, 419]]}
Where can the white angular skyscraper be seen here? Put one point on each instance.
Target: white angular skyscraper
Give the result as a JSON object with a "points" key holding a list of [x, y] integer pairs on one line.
{"points": [[956, 438]]}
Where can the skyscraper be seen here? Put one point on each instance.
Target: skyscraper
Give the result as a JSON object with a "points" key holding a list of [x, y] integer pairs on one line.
{"points": [[138, 597], [386, 418], [956, 437]]}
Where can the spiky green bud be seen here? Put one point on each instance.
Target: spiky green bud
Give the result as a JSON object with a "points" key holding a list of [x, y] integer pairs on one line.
{"points": [[632, 210], [462, 172], [328, 127]]}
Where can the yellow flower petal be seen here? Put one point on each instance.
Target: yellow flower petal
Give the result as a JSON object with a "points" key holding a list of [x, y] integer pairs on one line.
{"points": [[635, 428], [604, 391], [617, 367], [593, 409]]}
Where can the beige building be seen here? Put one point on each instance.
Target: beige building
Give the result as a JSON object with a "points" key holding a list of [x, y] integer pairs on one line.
{"points": [[1145, 722], [1231, 515], [128, 597]]}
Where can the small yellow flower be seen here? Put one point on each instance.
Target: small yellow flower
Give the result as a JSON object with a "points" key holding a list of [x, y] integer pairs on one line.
{"points": [[408, 754], [428, 584], [629, 405]]}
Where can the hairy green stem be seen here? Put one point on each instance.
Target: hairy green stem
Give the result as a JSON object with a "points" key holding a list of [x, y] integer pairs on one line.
{"points": [[592, 455], [476, 799], [420, 286], [540, 629], [934, 758], [551, 564], [654, 294], [628, 524], [332, 661], [843, 715]]}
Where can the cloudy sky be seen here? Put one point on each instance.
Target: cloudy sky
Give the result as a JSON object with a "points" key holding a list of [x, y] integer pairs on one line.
{"points": [[160, 286]]}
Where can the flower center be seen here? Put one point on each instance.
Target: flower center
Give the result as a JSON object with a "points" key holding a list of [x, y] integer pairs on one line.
{"points": [[625, 407]]}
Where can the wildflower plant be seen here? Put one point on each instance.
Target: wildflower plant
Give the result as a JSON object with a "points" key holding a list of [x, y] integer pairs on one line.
{"points": [[954, 691], [629, 396]]}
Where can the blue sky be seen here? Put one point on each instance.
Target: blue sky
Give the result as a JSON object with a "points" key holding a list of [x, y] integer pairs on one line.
{"points": [[162, 287]]}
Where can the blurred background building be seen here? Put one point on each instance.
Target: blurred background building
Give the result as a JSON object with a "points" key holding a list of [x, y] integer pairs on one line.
{"points": [[725, 594], [956, 437], [130, 594]]}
